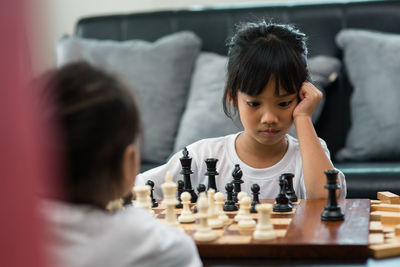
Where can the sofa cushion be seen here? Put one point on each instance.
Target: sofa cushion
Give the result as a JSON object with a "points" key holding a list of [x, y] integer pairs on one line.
{"points": [[159, 71], [204, 116], [372, 61]]}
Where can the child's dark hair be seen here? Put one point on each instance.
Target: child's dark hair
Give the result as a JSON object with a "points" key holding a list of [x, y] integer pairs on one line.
{"points": [[259, 51], [98, 119]]}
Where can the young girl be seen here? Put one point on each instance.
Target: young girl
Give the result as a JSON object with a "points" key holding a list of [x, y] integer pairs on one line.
{"points": [[99, 124], [268, 86]]}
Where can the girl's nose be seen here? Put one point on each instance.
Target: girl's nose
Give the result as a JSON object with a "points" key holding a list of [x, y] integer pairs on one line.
{"points": [[269, 117]]}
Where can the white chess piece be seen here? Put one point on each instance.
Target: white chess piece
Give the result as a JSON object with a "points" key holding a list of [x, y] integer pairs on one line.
{"points": [[213, 216], [246, 220], [204, 232], [240, 196], [219, 203], [169, 202], [264, 229], [186, 216], [141, 197]]}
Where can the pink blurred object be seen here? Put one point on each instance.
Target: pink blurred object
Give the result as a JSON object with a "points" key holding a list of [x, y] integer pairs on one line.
{"points": [[25, 167]]}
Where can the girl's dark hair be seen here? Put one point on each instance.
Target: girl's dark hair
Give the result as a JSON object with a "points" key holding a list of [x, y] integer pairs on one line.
{"points": [[98, 119], [259, 51]]}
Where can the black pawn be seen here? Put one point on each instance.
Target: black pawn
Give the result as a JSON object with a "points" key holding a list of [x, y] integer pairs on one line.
{"points": [[289, 186], [237, 180], [332, 210], [282, 201], [153, 201], [229, 204], [200, 188], [186, 163], [180, 190], [255, 189], [211, 172], [127, 200]]}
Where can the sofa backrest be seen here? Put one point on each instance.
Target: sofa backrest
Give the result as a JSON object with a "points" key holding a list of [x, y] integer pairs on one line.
{"points": [[320, 21]]}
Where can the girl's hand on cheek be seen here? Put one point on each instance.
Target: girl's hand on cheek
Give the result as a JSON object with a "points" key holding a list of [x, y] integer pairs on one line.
{"points": [[309, 98]]}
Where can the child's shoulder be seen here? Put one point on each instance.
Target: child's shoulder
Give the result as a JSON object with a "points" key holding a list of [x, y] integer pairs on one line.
{"points": [[213, 142]]}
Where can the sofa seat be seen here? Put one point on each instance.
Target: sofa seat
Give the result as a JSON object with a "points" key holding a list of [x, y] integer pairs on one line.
{"points": [[366, 179]]}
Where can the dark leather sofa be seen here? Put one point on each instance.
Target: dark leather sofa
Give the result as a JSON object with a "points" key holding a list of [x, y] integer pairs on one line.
{"points": [[321, 22]]}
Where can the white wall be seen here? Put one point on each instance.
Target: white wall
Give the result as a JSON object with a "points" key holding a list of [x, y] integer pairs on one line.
{"points": [[53, 18]]}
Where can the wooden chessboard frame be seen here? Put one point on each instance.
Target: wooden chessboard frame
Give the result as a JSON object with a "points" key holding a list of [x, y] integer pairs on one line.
{"points": [[305, 236]]}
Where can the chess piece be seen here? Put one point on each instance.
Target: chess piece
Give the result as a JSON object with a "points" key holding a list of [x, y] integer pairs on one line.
{"points": [[289, 187], [237, 180], [186, 171], [169, 192], [200, 188], [219, 202], [255, 189], [264, 228], [211, 172], [332, 211], [141, 196], [181, 184], [153, 201], [204, 232], [186, 215], [127, 200], [246, 220], [229, 204], [213, 216], [241, 211], [114, 205], [282, 201]]}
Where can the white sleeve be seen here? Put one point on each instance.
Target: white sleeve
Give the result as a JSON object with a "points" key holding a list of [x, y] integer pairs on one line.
{"points": [[157, 175], [341, 177]]}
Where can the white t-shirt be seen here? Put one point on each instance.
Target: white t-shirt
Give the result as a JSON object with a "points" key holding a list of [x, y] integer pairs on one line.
{"points": [[82, 235], [223, 149]]}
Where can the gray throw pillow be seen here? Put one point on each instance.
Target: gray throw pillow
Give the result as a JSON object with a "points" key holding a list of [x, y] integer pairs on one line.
{"points": [[160, 72], [204, 116], [372, 60]]}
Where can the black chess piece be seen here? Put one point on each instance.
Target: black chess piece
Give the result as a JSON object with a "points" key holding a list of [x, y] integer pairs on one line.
{"points": [[200, 188], [237, 180], [127, 200], [153, 201], [180, 190], [282, 201], [186, 163], [211, 172], [229, 204], [332, 211], [255, 189], [289, 186]]}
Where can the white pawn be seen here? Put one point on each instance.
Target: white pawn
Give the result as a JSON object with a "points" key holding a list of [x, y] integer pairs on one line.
{"points": [[219, 203], [169, 201], [264, 229], [186, 215], [246, 220], [213, 220], [240, 196], [141, 197], [203, 233]]}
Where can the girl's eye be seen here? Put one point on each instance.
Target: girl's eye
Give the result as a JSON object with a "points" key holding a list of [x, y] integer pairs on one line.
{"points": [[253, 104], [285, 104]]}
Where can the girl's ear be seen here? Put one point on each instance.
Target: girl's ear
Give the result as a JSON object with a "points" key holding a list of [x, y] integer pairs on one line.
{"points": [[130, 167]]}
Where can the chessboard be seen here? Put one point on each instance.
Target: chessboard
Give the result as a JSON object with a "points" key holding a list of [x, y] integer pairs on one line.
{"points": [[301, 234]]}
